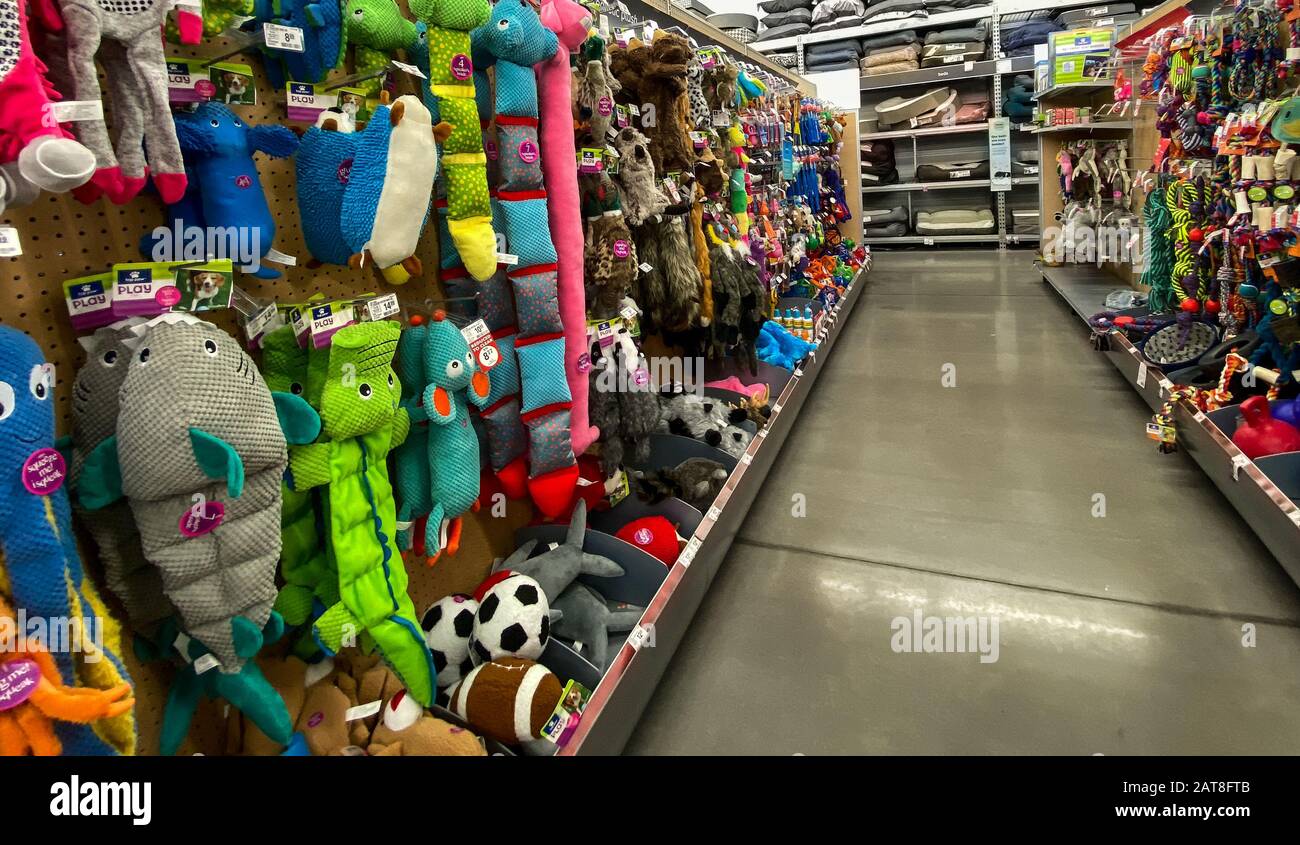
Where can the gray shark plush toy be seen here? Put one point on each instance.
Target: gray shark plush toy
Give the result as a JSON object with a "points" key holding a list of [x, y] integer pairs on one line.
{"points": [[556, 569]]}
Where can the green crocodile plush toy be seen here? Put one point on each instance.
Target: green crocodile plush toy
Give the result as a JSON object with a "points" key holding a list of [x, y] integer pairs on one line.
{"points": [[376, 30], [362, 421], [304, 565]]}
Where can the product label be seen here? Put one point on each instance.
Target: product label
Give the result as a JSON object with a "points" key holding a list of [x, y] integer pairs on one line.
{"points": [[959, 174], [202, 287], [481, 345], [622, 249], [528, 151], [604, 106], [490, 149], [461, 67], [232, 84], [188, 82], [382, 307], [567, 716], [411, 69], [590, 160], [10, 246], [89, 301], [301, 328], [362, 711], [75, 111], [326, 320], [721, 119], [622, 116], [18, 680], [201, 519], [288, 38], [344, 172], [605, 331], [699, 140], [261, 323], [206, 663], [281, 257], [584, 363], [304, 105], [135, 286], [632, 319], [44, 472], [167, 296], [642, 536]]}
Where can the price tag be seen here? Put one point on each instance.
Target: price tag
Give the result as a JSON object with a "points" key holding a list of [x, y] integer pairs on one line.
{"points": [[747, 459], [959, 174], [776, 409], [507, 258], [968, 67], [288, 38], [1142, 374], [411, 69], [382, 307], [639, 636], [74, 111], [362, 711], [206, 663], [481, 345], [1002, 66], [699, 140], [645, 267], [688, 553], [1295, 516], [1031, 170], [10, 246], [590, 160], [798, 371], [1161, 433], [1238, 462], [281, 258], [260, 322], [721, 119], [928, 241]]}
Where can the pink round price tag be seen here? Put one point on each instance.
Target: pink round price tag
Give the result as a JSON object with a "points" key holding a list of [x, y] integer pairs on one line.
{"points": [[605, 106], [622, 249], [528, 150], [584, 363], [44, 472], [461, 67], [196, 524], [205, 88], [643, 536]]}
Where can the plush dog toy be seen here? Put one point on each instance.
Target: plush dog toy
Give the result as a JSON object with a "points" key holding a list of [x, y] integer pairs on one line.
{"points": [[324, 38], [323, 165], [411, 480], [387, 200], [376, 30], [140, 70], [587, 618], [453, 453], [555, 569], [362, 421], [35, 153], [42, 570], [570, 21], [219, 149], [640, 196]]}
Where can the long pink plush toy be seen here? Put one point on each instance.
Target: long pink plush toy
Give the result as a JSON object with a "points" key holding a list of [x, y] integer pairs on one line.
{"points": [[570, 22]]}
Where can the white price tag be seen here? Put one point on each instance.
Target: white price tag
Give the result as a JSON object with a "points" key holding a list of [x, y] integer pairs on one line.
{"points": [[257, 326], [10, 246], [1142, 374], [928, 241], [279, 37], [74, 111], [411, 69], [959, 174], [382, 307], [481, 346], [721, 119], [1031, 170], [640, 634], [646, 267], [688, 553], [968, 67], [747, 459], [1002, 66], [776, 409], [362, 711], [1238, 462], [798, 371], [507, 258], [206, 663], [281, 258], [713, 514]]}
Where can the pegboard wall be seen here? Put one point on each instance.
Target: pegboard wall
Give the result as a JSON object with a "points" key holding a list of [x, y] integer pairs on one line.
{"points": [[63, 239]]}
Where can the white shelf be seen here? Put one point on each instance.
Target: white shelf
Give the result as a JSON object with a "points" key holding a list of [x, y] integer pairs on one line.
{"points": [[922, 133], [944, 186], [941, 19], [1085, 127], [981, 69]]}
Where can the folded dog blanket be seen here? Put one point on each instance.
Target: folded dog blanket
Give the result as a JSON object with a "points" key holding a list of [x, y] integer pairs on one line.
{"points": [[834, 57], [783, 31], [892, 39], [830, 9], [838, 23], [952, 172], [882, 216], [979, 32], [889, 230], [894, 10], [973, 111], [955, 221], [1028, 34]]}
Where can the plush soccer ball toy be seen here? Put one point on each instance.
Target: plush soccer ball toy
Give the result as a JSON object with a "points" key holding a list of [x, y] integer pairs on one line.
{"points": [[513, 619], [448, 624]]}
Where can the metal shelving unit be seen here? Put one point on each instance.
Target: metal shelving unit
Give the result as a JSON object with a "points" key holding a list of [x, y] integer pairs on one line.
{"points": [[959, 129], [931, 22], [623, 693], [971, 70], [1075, 87], [1099, 126], [930, 240], [943, 186], [1273, 516]]}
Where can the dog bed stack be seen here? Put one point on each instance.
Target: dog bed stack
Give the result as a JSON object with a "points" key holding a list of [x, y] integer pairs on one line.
{"points": [[784, 18], [833, 55], [884, 223], [738, 27], [878, 167], [956, 221], [1118, 15], [1019, 39], [837, 14], [879, 11]]}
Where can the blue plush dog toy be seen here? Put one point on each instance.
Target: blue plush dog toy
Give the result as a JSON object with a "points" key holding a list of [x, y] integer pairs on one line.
{"points": [[225, 191]]}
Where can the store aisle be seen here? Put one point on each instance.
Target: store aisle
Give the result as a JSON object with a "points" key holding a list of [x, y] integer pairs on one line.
{"points": [[1120, 580]]}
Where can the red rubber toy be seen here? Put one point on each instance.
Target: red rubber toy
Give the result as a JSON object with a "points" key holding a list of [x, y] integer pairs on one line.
{"points": [[1260, 435]]}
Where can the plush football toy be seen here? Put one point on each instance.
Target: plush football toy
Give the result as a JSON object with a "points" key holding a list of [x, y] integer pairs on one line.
{"points": [[509, 700]]}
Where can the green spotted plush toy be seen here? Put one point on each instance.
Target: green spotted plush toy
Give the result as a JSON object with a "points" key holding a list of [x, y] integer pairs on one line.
{"points": [[464, 165], [376, 30], [361, 421]]}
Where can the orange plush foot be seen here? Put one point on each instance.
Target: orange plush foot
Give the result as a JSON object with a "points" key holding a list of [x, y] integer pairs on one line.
{"points": [[453, 536], [38, 732]]}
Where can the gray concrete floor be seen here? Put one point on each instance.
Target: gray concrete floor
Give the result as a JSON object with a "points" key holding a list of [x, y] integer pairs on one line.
{"points": [[1118, 634]]}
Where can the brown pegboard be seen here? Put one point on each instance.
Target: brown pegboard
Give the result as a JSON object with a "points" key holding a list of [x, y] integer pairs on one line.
{"points": [[63, 239]]}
